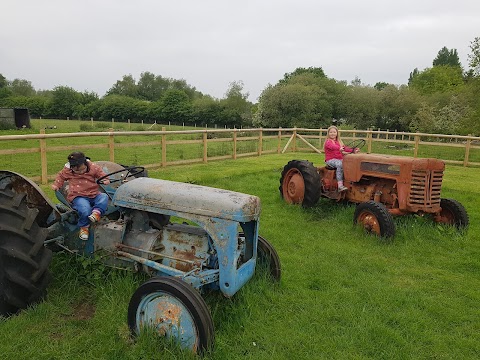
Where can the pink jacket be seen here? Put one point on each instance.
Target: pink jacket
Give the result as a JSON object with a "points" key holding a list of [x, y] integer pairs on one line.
{"points": [[80, 184], [332, 150]]}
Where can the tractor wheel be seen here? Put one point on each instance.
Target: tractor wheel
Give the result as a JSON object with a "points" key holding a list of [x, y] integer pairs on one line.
{"points": [[300, 183], [267, 256], [375, 218], [173, 309], [24, 260], [453, 213]]}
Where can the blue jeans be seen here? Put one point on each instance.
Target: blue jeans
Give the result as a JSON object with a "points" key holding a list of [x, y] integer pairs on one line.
{"points": [[338, 165], [85, 205]]}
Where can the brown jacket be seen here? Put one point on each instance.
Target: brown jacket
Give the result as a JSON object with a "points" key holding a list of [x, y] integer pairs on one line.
{"points": [[80, 184]]}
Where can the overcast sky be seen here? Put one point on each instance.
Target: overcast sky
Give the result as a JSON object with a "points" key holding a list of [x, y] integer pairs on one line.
{"points": [[90, 44]]}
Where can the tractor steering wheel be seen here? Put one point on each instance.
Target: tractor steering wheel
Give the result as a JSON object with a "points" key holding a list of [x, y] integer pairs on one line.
{"points": [[130, 171], [356, 144]]}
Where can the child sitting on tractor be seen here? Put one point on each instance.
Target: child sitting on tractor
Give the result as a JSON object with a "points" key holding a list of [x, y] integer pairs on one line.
{"points": [[334, 149], [83, 192]]}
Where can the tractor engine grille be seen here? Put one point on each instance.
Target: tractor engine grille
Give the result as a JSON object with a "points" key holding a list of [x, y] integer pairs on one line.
{"points": [[425, 189]]}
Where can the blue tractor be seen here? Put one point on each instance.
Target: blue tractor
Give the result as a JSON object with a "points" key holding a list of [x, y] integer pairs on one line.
{"points": [[213, 246]]}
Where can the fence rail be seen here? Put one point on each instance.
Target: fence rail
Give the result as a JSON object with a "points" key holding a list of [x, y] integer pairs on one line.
{"points": [[262, 141]]}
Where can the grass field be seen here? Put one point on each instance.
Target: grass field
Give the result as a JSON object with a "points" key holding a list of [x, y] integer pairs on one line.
{"points": [[343, 294]]}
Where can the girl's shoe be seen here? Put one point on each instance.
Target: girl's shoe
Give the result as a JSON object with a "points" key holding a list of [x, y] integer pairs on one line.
{"points": [[83, 234], [94, 216], [342, 188]]}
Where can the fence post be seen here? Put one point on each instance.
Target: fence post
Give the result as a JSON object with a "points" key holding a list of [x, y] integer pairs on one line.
{"points": [[164, 148], [234, 144], [129, 124], [260, 141], [205, 152], [417, 143], [279, 145], [369, 140], [320, 138], [378, 133], [113, 123], [395, 135], [43, 158], [294, 139], [111, 146], [467, 151], [91, 121]]}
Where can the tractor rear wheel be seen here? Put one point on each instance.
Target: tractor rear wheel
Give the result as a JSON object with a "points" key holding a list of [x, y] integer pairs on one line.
{"points": [[374, 218], [300, 183], [174, 309], [24, 260], [453, 213]]}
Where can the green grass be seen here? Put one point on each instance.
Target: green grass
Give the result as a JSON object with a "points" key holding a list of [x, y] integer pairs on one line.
{"points": [[343, 294]]}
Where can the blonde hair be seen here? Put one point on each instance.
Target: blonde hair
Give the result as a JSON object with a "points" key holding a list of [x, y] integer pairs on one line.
{"points": [[338, 135]]}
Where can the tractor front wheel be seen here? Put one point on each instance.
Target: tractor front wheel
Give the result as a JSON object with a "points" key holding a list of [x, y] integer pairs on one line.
{"points": [[453, 213], [374, 218], [174, 309], [300, 183], [24, 260], [268, 257]]}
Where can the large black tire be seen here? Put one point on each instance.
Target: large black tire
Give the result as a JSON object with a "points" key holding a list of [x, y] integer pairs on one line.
{"points": [[173, 309], [300, 183], [453, 213], [374, 218], [24, 260], [268, 255]]}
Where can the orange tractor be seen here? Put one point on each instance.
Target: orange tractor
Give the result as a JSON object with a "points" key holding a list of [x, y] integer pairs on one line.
{"points": [[383, 186]]}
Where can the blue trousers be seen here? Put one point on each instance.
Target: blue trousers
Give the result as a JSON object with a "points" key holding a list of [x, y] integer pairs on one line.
{"points": [[85, 205]]}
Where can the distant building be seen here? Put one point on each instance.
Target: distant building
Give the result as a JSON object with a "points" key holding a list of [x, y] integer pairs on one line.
{"points": [[11, 118]]}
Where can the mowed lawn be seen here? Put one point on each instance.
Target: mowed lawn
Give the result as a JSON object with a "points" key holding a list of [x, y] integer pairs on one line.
{"points": [[343, 294]]}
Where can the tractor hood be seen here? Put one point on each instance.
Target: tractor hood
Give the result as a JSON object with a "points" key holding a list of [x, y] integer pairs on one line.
{"points": [[163, 196], [388, 166]]}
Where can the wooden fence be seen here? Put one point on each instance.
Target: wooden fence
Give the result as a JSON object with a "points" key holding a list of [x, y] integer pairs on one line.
{"points": [[278, 140]]}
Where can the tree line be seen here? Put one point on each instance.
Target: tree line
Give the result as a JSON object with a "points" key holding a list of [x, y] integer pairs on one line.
{"points": [[443, 98]]}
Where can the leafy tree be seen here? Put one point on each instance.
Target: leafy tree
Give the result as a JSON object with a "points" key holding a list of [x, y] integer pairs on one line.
{"points": [[447, 57], [206, 110], [316, 71], [88, 97], [126, 87], [22, 87], [356, 82], [293, 105], [362, 106], [175, 106], [413, 74], [151, 87], [380, 85], [397, 107], [474, 57], [64, 101], [424, 119], [441, 78], [236, 107], [3, 81]]}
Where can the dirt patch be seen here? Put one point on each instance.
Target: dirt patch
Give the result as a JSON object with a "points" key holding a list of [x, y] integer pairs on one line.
{"points": [[83, 311]]}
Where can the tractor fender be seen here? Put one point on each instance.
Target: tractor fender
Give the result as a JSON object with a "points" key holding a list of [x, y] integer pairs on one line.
{"points": [[170, 197], [36, 198]]}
